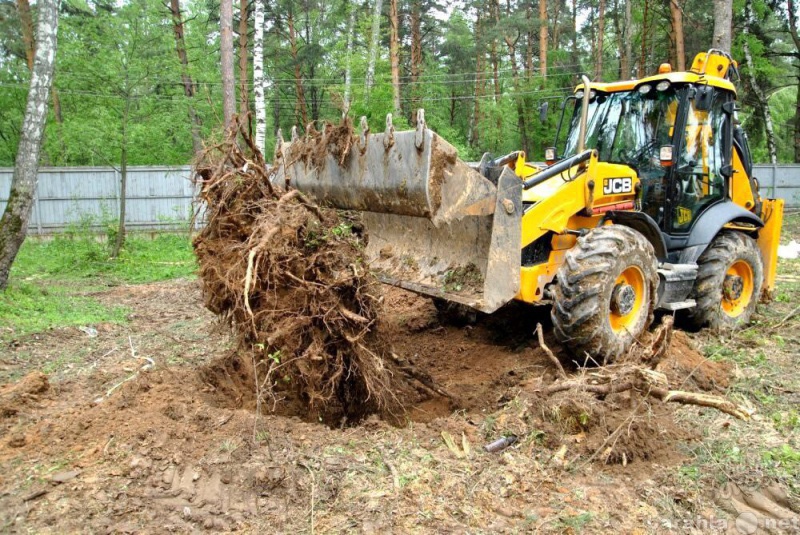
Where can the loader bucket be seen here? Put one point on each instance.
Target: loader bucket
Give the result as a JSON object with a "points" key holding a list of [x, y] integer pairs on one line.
{"points": [[435, 225]]}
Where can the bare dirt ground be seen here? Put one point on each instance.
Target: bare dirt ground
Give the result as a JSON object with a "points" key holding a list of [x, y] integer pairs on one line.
{"points": [[147, 428]]}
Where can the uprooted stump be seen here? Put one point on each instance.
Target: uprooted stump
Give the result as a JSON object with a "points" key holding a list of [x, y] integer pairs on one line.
{"points": [[289, 278]]}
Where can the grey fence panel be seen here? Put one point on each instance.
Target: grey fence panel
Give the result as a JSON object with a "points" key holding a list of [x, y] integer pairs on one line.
{"points": [[157, 197], [162, 197], [780, 181]]}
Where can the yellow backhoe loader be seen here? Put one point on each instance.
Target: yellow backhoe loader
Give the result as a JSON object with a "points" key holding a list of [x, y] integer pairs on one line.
{"points": [[650, 203]]}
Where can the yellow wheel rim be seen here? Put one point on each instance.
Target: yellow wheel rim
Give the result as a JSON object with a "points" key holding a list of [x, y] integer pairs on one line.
{"points": [[737, 288], [627, 300]]}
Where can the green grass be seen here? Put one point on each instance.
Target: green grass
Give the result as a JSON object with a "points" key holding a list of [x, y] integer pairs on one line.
{"points": [[30, 307], [49, 280], [77, 257]]}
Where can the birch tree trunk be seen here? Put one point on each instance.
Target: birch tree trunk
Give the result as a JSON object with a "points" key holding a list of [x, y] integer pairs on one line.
{"points": [[373, 46], [226, 60], [723, 19], [394, 54], [244, 92], [258, 76], [14, 223], [676, 14], [186, 79], [348, 72]]}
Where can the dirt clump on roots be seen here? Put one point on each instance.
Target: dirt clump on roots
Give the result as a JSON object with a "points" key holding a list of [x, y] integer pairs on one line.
{"points": [[314, 148], [289, 278]]}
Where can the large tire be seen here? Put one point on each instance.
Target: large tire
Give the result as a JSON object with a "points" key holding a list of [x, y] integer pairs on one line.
{"points": [[605, 292], [729, 281]]}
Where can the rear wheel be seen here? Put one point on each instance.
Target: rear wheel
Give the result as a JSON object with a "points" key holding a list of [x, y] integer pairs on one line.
{"points": [[604, 293], [729, 281]]}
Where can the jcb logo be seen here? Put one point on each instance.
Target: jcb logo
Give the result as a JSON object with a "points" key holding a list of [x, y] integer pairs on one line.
{"points": [[613, 186]]}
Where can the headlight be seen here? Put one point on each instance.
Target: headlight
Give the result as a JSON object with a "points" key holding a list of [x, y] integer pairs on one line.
{"points": [[663, 85], [645, 89]]}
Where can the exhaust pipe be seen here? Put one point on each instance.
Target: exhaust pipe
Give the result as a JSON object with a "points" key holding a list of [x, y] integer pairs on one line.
{"points": [[584, 114]]}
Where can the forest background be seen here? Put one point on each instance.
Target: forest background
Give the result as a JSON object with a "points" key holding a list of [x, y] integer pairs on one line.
{"points": [[139, 80]]}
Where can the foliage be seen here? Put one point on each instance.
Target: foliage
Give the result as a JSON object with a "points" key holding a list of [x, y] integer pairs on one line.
{"points": [[113, 54]]}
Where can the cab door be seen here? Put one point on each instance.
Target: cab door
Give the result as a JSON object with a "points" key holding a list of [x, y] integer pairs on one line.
{"points": [[699, 177]]}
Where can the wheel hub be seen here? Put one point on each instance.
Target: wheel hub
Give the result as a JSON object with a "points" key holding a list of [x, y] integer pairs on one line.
{"points": [[623, 298], [732, 287]]}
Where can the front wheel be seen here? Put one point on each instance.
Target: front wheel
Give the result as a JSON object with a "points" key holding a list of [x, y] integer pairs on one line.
{"points": [[605, 292], [729, 280]]}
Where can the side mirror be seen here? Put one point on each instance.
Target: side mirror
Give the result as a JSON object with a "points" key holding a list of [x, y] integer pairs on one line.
{"points": [[543, 111], [665, 155]]}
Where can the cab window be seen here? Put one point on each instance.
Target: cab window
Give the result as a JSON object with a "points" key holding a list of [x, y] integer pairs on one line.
{"points": [[698, 182]]}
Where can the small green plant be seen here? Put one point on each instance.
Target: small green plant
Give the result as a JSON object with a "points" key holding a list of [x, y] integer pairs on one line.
{"points": [[275, 356], [786, 456]]}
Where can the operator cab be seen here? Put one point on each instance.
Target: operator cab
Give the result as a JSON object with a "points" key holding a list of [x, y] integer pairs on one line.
{"points": [[675, 130]]}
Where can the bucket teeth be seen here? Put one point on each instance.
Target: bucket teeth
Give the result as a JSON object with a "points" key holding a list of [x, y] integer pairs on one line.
{"points": [[279, 144], [388, 138], [419, 136], [364, 133]]}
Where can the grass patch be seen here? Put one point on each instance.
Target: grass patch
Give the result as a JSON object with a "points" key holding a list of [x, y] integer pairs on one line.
{"points": [[29, 307], [79, 257], [49, 277]]}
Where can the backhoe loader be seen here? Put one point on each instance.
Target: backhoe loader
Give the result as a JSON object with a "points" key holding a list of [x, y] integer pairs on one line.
{"points": [[650, 203]]}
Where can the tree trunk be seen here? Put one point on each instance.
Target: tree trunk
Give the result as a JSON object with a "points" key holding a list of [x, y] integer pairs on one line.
{"points": [[543, 39], [258, 76], [601, 22], [373, 45], [643, 59], [494, 58], [416, 56], [627, 54], [394, 54], [348, 73], [512, 58], [244, 93], [226, 60], [26, 23], [796, 39], [763, 103], [14, 223], [186, 79], [676, 14], [576, 59], [123, 179], [476, 113], [723, 19], [300, 108]]}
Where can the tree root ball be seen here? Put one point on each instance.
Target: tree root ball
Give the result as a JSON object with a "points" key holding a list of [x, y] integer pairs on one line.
{"points": [[289, 278]]}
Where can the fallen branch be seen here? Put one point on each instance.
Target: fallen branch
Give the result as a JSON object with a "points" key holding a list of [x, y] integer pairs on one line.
{"points": [[653, 384]]}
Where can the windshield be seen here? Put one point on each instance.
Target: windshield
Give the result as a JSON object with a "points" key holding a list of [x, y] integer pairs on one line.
{"points": [[626, 127]]}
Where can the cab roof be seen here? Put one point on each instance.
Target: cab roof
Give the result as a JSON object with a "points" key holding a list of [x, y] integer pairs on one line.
{"points": [[709, 68]]}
